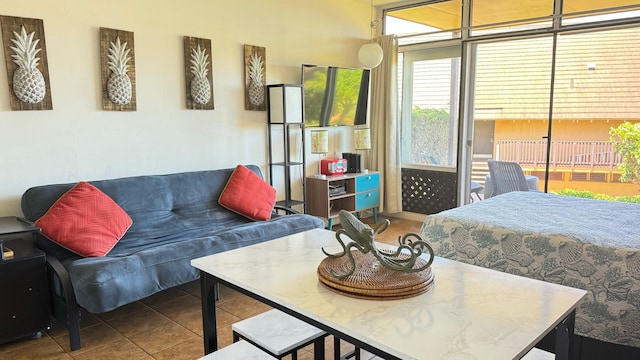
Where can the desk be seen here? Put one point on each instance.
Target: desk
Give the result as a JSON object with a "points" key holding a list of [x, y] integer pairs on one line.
{"points": [[471, 312]]}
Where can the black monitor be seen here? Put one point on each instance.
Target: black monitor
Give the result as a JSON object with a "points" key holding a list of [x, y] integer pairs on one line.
{"points": [[335, 96]]}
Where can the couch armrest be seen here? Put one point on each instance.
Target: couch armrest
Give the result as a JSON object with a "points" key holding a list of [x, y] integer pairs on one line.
{"points": [[278, 209], [64, 306]]}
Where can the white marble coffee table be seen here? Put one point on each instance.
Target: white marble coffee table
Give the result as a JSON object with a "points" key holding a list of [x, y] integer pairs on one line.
{"points": [[470, 313]]}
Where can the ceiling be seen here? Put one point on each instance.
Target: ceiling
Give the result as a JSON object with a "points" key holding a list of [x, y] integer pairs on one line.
{"points": [[446, 15]]}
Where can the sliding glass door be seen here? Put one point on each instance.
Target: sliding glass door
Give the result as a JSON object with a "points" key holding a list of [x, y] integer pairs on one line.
{"points": [[596, 89], [510, 112], [551, 108]]}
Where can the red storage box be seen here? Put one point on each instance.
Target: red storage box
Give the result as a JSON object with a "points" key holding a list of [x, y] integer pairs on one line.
{"points": [[333, 166]]}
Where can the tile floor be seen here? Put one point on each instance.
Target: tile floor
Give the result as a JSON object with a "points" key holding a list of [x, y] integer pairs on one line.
{"points": [[167, 325]]}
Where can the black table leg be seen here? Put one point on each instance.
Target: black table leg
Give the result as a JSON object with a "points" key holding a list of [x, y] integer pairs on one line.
{"points": [[318, 348], [209, 295], [564, 338]]}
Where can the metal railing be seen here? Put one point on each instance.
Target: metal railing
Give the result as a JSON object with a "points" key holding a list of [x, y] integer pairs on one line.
{"points": [[574, 154]]}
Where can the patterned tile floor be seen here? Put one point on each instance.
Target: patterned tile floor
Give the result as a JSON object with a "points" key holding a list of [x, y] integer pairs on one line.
{"points": [[167, 325]]}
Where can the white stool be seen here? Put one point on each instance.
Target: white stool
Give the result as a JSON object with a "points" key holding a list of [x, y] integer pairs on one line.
{"points": [[280, 334], [240, 350], [537, 354]]}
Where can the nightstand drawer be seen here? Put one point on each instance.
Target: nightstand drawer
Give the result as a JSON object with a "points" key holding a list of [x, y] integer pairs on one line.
{"points": [[367, 182], [24, 298], [367, 200]]}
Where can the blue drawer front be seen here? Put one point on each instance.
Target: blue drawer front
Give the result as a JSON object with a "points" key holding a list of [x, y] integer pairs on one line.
{"points": [[367, 182], [367, 200]]}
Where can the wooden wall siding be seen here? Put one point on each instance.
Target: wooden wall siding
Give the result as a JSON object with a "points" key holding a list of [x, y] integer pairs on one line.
{"points": [[255, 94], [9, 25], [107, 36], [191, 44], [513, 78]]}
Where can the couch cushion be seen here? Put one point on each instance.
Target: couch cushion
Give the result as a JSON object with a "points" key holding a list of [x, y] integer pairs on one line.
{"points": [[284, 225], [103, 284], [247, 194], [85, 220]]}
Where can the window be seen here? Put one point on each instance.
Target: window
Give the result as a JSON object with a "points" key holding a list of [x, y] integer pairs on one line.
{"points": [[580, 12], [439, 20], [492, 79], [491, 17], [431, 81]]}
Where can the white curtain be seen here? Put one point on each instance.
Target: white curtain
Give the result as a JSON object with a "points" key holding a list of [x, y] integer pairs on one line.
{"points": [[385, 128]]}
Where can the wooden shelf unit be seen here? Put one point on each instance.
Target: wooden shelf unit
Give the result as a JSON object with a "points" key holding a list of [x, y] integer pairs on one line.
{"points": [[362, 192]]}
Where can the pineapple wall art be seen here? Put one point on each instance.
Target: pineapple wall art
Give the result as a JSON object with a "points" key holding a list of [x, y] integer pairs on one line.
{"points": [[117, 58], [26, 62], [255, 75], [198, 73]]}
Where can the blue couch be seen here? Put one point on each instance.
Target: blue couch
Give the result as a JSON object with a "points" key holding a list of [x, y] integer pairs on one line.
{"points": [[176, 218]]}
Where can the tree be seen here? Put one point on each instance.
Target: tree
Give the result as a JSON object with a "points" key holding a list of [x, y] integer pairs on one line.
{"points": [[429, 135], [626, 138]]}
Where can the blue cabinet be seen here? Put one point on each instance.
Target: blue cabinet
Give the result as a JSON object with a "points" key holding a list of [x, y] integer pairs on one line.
{"points": [[367, 182], [350, 192], [367, 200], [367, 191]]}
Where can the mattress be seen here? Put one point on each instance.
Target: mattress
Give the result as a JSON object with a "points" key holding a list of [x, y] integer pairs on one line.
{"points": [[583, 243]]}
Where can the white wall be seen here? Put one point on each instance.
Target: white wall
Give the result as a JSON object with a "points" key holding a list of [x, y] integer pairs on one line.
{"points": [[77, 140]]}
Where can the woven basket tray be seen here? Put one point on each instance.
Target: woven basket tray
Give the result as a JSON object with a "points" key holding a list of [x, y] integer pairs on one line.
{"points": [[371, 280]]}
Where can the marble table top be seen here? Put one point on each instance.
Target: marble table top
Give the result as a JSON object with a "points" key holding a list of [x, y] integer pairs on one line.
{"points": [[470, 313]]}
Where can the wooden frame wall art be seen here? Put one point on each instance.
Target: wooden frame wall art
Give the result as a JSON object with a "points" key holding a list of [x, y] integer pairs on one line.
{"points": [[25, 54], [118, 69], [198, 73], [255, 75]]}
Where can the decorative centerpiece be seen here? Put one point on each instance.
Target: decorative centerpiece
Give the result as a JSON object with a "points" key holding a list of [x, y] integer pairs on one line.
{"points": [[362, 270]]}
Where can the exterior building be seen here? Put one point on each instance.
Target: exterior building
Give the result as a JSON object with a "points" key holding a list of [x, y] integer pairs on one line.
{"points": [[596, 88]]}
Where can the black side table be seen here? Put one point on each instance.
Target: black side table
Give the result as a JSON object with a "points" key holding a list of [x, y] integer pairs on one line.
{"points": [[24, 293]]}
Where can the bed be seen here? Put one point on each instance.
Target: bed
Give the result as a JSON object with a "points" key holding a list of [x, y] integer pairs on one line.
{"points": [[584, 243]]}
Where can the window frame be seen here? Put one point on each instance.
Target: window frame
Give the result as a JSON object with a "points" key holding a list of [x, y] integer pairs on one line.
{"points": [[440, 51], [468, 42]]}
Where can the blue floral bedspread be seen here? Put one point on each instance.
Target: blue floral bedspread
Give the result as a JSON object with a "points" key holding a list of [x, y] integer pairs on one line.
{"points": [[583, 243]]}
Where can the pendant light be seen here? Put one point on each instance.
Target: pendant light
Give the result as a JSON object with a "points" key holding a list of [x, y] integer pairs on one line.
{"points": [[370, 54]]}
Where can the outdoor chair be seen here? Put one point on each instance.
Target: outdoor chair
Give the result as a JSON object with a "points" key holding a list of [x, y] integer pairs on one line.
{"points": [[506, 177], [475, 188]]}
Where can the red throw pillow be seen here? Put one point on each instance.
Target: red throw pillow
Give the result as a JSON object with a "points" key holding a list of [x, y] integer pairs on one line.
{"points": [[248, 194], [85, 220]]}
